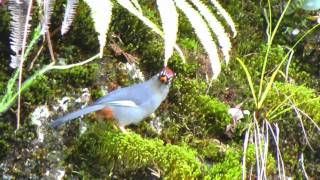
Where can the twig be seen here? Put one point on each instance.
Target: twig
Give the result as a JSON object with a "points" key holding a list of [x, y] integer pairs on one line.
{"points": [[302, 126], [308, 117], [264, 156], [36, 57], [302, 166], [256, 143], [24, 41], [279, 156], [73, 65], [288, 64], [50, 46], [245, 146]]}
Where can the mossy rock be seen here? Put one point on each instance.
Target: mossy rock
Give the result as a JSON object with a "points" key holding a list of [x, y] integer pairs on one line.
{"points": [[102, 153]]}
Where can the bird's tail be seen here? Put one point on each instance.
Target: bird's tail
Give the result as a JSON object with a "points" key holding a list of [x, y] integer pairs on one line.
{"points": [[58, 122]]}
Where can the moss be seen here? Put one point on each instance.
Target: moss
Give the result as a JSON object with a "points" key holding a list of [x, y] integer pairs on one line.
{"points": [[5, 138], [40, 91], [229, 165], [229, 168], [303, 97], [194, 112], [294, 144], [14, 146], [81, 39], [77, 76], [107, 152], [208, 149]]}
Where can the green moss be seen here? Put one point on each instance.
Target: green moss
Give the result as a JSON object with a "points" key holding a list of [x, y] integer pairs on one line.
{"points": [[6, 135], [81, 39], [77, 76], [194, 112], [229, 165], [208, 149], [306, 100], [40, 91], [107, 152], [229, 168], [303, 97]]}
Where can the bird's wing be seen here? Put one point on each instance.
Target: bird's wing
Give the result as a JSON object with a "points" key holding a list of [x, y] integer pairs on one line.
{"points": [[68, 117], [136, 94], [124, 103]]}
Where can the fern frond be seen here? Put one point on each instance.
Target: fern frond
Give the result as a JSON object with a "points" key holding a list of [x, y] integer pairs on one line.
{"points": [[169, 19], [18, 23], [131, 8], [216, 27], [226, 16], [69, 15], [202, 31], [47, 11], [137, 5], [101, 12]]}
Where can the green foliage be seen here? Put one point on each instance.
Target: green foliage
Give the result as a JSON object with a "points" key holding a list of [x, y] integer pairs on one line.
{"points": [[5, 137], [229, 165], [137, 37], [40, 91], [193, 111], [303, 97], [4, 38], [78, 76], [229, 168], [81, 37], [107, 152]]}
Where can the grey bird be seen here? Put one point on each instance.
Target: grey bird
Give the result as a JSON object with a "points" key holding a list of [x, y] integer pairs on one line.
{"points": [[128, 105]]}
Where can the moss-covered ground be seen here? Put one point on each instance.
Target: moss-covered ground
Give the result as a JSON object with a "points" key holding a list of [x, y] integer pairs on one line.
{"points": [[192, 140]]}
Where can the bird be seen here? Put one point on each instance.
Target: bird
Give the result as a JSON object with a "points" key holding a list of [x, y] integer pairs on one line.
{"points": [[128, 105]]}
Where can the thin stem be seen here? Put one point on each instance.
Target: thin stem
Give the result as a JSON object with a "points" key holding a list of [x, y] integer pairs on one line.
{"points": [[50, 46], [24, 42], [245, 147]]}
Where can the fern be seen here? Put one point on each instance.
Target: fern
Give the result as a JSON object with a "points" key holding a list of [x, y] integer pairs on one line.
{"points": [[18, 11], [217, 28], [202, 31], [69, 15], [225, 15], [133, 10], [101, 12], [47, 11], [169, 19]]}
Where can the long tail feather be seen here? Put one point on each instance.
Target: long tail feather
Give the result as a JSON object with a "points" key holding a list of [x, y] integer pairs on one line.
{"points": [[71, 116]]}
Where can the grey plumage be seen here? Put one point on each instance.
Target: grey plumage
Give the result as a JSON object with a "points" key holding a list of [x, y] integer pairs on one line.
{"points": [[58, 122]]}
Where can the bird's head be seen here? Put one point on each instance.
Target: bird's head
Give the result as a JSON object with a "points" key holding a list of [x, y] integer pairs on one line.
{"points": [[166, 75]]}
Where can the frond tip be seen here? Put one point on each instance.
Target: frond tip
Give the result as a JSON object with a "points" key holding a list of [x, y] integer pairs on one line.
{"points": [[169, 19], [216, 27], [101, 12], [226, 16], [202, 31], [68, 15], [19, 28], [47, 11]]}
